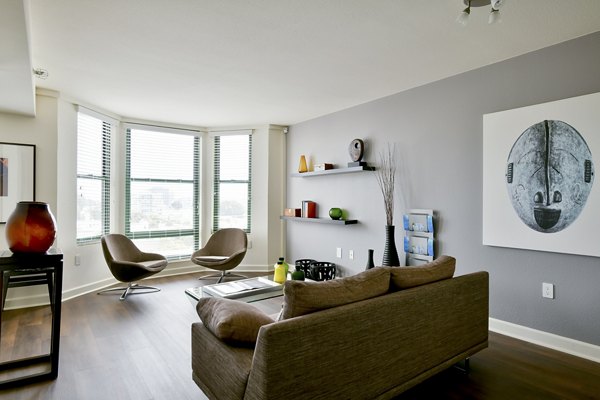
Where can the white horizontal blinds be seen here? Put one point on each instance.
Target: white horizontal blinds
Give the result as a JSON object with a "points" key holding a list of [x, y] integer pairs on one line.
{"points": [[93, 177], [162, 191], [232, 181]]}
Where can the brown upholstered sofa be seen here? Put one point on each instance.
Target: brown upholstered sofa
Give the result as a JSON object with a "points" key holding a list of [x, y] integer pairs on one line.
{"points": [[373, 348]]}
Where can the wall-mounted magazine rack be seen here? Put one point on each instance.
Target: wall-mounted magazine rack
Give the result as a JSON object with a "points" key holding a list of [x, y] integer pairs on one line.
{"points": [[417, 244], [419, 236], [418, 221]]}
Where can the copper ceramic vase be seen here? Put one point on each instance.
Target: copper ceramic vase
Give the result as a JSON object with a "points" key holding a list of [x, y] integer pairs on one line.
{"points": [[31, 228]]}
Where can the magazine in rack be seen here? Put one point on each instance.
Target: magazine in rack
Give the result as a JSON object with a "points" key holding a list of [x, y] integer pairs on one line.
{"points": [[243, 288]]}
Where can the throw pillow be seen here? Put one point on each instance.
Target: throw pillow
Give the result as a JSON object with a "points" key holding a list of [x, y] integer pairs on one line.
{"points": [[407, 277], [231, 321], [303, 297]]}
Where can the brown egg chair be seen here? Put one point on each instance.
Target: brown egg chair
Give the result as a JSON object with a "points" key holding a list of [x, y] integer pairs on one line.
{"points": [[224, 251], [127, 263]]}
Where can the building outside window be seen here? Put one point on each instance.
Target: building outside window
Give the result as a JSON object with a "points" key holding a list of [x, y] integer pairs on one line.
{"points": [[162, 190], [232, 181]]}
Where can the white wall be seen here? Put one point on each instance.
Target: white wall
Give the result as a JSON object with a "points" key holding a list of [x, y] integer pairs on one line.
{"points": [[42, 132], [54, 132]]}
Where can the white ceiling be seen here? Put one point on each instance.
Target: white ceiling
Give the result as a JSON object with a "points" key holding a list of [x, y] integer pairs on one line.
{"points": [[219, 63], [17, 90]]}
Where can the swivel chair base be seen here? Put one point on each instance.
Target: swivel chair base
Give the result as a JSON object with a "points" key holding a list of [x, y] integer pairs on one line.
{"points": [[222, 275], [130, 290]]}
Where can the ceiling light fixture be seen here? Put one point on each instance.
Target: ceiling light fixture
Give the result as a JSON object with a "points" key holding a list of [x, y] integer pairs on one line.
{"points": [[494, 16]]}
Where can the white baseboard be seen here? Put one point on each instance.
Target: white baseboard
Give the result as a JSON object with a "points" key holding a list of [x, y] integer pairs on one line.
{"points": [[560, 343], [42, 299], [26, 301]]}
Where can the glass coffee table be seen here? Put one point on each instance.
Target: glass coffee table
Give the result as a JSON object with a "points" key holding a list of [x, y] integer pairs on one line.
{"points": [[246, 290]]}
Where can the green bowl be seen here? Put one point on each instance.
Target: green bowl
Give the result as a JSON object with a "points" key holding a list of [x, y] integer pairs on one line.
{"points": [[335, 213]]}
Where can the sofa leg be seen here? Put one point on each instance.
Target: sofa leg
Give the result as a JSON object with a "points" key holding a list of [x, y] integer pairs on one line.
{"points": [[464, 366]]}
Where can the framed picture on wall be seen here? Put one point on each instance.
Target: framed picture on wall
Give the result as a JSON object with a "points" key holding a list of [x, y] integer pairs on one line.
{"points": [[17, 176], [538, 177]]}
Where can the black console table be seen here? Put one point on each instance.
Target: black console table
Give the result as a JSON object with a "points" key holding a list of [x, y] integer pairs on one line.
{"points": [[26, 269]]}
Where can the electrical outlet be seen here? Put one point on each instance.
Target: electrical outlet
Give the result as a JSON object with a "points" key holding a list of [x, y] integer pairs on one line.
{"points": [[548, 290], [249, 244], [77, 260], [338, 252], [351, 254]]}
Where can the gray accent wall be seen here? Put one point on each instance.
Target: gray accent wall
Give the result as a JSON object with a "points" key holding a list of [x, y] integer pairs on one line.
{"points": [[437, 130]]}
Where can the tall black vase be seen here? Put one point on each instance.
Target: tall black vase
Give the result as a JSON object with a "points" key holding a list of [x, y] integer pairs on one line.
{"points": [[370, 263], [390, 254]]}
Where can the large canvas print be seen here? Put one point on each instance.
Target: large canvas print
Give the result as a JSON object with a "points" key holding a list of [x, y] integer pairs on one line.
{"points": [[538, 177]]}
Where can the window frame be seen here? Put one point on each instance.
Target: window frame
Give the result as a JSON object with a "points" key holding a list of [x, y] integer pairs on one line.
{"points": [[195, 230], [108, 128], [217, 181]]}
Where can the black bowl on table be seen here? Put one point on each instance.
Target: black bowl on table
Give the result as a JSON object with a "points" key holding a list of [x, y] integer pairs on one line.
{"points": [[303, 264], [322, 271]]}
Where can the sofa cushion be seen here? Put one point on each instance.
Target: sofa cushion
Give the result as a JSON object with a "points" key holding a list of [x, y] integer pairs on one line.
{"points": [[303, 297], [407, 277], [231, 321]]}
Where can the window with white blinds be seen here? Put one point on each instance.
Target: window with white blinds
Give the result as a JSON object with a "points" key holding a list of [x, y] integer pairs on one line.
{"points": [[162, 191], [232, 181], [93, 177]]}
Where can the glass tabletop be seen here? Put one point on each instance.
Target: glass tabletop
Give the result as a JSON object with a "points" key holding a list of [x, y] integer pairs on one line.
{"points": [[246, 290]]}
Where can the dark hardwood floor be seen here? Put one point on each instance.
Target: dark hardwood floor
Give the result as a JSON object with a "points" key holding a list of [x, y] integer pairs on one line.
{"points": [[140, 349], [514, 369]]}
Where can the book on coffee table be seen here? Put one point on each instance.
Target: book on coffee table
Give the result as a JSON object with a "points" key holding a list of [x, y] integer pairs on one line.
{"points": [[243, 288]]}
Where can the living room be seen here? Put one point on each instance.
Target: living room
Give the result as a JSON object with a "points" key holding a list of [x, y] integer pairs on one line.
{"points": [[426, 100]]}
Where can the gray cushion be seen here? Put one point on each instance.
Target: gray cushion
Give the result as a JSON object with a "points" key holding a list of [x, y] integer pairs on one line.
{"points": [[231, 321], [407, 277], [154, 264], [303, 297], [211, 258]]}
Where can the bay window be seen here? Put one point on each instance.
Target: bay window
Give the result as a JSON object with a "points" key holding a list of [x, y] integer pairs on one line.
{"points": [[232, 180], [93, 175], [162, 190]]}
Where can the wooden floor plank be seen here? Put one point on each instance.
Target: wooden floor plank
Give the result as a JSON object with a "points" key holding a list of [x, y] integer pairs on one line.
{"points": [[140, 349]]}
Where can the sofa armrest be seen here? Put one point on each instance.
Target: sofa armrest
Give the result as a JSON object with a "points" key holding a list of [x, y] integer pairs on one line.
{"points": [[220, 370], [401, 336]]}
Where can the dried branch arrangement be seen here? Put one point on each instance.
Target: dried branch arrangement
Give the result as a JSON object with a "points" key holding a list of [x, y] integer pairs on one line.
{"points": [[386, 174]]}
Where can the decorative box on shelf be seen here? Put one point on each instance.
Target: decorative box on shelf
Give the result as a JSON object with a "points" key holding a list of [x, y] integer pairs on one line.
{"points": [[309, 209], [323, 167], [292, 212], [419, 236]]}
